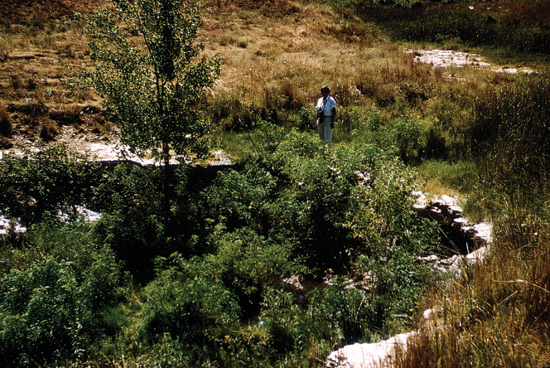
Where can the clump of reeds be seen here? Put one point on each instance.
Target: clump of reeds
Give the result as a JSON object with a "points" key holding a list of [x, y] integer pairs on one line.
{"points": [[49, 129], [6, 127]]}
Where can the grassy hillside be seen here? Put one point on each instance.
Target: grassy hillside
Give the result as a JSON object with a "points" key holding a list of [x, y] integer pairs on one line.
{"points": [[215, 283], [276, 55]]}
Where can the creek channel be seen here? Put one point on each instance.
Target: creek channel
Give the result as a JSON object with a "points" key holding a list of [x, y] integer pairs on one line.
{"points": [[468, 241], [464, 243]]}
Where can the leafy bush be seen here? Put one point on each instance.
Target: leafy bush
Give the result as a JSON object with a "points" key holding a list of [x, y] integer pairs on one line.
{"points": [[192, 308], [304, 119], [295, 208], [408, 136], [132, 223], [346, 311], [403, 136], [286, 321], [52, 180], [241, 198], [247, 264], [298, 208], [51, 307], [310, 196], [393, 283], [198, 303]]}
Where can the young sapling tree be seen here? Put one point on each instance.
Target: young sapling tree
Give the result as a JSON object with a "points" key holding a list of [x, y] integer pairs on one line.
{"points": [[149, 70]]}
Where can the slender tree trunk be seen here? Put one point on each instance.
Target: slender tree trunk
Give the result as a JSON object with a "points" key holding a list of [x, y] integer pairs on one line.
{"points": [[166, 184]]}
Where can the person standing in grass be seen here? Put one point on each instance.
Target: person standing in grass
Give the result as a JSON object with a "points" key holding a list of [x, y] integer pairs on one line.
{"points": [[326, 115]]}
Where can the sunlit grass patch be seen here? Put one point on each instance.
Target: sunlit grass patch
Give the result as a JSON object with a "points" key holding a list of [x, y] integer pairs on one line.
{"points": [[240, 146], [294, 55], [443, 177]]}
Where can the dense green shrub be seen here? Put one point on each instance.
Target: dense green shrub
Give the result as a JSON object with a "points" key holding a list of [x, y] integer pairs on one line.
{"points": [[320, 183], [132, 223], [200, 302], [52, 305], [288, 324], [408, 136], [242, 198], [310, 195], [294, 208], [347, 311], [191, 306], [52, 180], [247, 264], [299, 208], [304, 119], [368, 310]]}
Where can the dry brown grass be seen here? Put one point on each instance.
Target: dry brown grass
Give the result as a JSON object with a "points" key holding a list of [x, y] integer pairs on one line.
{"points": [[279, 63], [293, 55], [39, 60], [38, 13], [39, 48], [276, 56]]}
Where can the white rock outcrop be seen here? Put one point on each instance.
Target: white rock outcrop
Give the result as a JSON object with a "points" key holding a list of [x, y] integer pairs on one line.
{"points": [[457, 59], [377, 354]]}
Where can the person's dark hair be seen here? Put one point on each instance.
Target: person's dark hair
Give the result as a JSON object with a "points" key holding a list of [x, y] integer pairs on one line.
{"points": [[325, 88]]}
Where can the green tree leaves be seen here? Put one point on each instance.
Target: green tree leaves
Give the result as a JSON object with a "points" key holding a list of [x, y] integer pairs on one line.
{"points": [[149, 72]]}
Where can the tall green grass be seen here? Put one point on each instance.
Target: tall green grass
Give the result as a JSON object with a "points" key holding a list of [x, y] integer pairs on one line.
{"points": [[443, 177]]}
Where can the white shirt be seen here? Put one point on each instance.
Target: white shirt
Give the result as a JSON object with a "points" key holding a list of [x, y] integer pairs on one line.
{"points": [[326, 105]]}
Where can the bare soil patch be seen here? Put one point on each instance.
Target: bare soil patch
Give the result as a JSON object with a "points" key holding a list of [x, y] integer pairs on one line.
{"points": [[37, 11]]}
